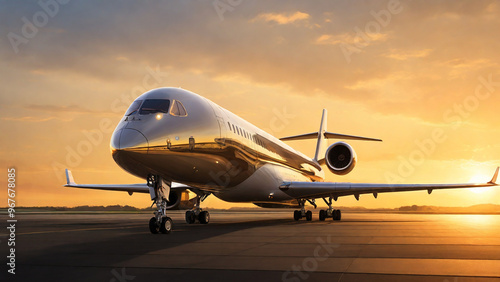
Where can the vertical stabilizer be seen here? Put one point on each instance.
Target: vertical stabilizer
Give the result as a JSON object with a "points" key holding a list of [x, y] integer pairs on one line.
{"points": [[321, 145]]}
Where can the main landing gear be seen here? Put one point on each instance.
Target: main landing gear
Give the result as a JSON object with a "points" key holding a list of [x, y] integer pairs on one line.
{"points": [[197, 214], [298, 214], [323, 214], [158, 189], [330, 212]]}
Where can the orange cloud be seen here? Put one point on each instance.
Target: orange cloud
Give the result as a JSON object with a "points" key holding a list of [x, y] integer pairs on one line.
{"points": [[348, 38], [407, 54], [282, 18], [29, 119]]}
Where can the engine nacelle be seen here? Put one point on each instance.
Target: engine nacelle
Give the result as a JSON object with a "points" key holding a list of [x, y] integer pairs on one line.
{"points": [[179, 199], [340, 158]]}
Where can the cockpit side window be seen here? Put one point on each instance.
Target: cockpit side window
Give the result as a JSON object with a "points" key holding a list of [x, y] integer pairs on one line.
{"points": [[151, 106], [178, 109], [134, 107], [181, 109]]}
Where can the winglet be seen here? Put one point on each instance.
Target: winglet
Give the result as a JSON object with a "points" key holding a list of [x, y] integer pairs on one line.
{"points": [[69, 178], [494, 179]]}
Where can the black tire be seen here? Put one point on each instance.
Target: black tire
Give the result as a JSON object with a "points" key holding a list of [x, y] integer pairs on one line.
{"points": [[190, 217], [337, 215], [166, 225], [322, 215], [309, 215], [153, 227], [204, 217], [296, 215]]}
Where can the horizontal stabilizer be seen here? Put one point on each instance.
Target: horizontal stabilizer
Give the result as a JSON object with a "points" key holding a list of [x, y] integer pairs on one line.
{"points": [[322, 135], [328, 135], [312, 135]]}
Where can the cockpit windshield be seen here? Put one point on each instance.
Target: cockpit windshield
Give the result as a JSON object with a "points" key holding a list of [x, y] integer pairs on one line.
{"points": [[133, 108], [151, 106]]}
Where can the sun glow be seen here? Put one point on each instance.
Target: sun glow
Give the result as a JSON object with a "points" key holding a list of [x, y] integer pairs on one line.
{"points": [[477, 219], [479, 178]]}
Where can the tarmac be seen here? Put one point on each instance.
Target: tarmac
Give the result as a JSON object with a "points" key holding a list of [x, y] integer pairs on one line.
{"points": [[255, 246]]}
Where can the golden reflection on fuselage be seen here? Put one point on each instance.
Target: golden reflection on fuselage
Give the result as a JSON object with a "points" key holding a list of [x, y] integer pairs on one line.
{"points": [[198, 148]]}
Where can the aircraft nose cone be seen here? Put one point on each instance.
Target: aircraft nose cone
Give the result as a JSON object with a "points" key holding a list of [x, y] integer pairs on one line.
{"points": [[128, 139]]}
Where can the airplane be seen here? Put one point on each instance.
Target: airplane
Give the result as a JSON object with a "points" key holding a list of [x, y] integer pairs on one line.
{"points": [[179, 141]]}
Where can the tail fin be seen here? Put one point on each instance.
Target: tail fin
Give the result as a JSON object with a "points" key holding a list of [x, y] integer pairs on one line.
{"points": [[322, 135], [321, 143]]}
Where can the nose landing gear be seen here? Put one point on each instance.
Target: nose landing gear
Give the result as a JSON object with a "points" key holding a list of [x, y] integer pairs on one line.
{"points": [[159, 191]]}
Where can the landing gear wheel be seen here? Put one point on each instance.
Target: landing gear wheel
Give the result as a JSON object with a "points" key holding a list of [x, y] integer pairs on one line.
{"points": [[190, 217], [153, 227], [297, 215], [204, 217], [309, 215], [322, 215], [166, 225], [337, 215], [160, 222]]}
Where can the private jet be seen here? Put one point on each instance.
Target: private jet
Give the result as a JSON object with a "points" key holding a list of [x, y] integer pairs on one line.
{"points": [[180, 142]]}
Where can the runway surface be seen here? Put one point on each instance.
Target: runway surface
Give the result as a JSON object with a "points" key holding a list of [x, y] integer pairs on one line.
{"points": [[255, 246]]}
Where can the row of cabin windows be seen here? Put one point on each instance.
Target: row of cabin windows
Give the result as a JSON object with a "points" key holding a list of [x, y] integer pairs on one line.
{"points": [[242, 132]]}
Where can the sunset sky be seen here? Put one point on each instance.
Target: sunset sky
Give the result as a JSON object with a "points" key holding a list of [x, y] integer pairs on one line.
{"points": [[423, 76]]}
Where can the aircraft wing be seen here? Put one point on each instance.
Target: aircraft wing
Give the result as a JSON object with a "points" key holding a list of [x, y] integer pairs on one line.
{"points": [[130, 188], [309, 190]]}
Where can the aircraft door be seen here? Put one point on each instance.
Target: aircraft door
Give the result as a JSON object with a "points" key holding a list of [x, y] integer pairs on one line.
{"points": [[219, 114]]}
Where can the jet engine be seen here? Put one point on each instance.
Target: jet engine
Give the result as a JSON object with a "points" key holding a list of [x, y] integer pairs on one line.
{"points": [[340, 158], [179, 200]]}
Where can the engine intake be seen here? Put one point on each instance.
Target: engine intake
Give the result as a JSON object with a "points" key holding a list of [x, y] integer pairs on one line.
{"points": [[179, 200], [340, 158]]}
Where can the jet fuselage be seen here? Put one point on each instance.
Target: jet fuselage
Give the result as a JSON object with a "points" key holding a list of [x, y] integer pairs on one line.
{"points": [[186, 138]]}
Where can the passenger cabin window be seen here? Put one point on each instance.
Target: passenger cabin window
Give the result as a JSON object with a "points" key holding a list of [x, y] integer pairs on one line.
{"points": [[152, 106], [178, 109], [133, 108]]}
